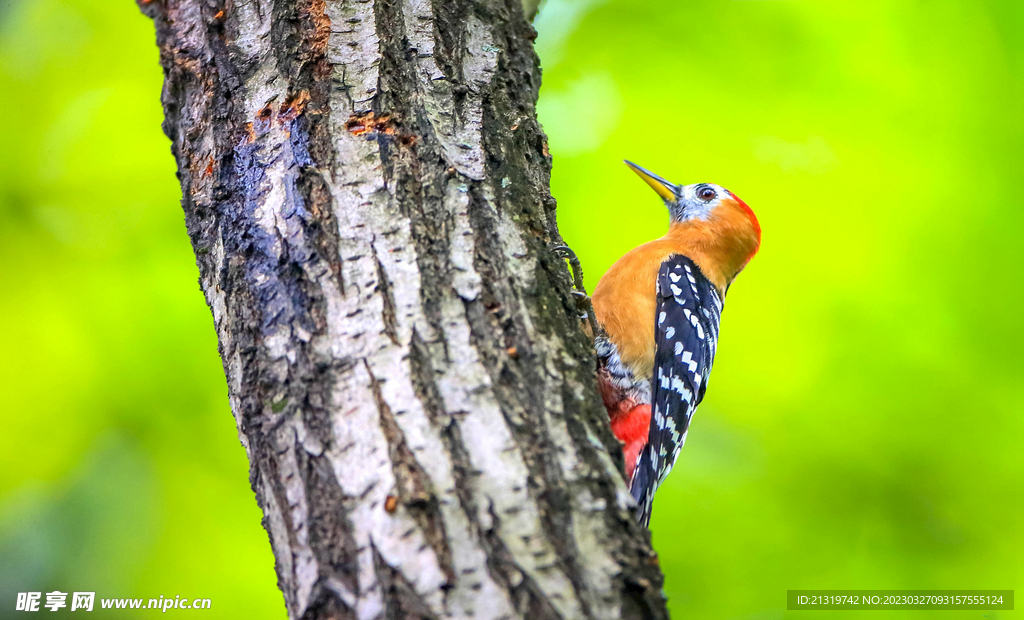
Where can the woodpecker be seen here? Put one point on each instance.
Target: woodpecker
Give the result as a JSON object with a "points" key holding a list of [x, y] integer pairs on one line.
{"points": [[658, 310]]}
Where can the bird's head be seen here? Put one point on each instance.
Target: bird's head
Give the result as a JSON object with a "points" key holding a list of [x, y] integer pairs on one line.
{"points": [[714, 219]]}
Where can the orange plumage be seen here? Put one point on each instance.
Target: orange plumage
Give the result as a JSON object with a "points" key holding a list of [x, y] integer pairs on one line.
{"points": [[624, 298]]}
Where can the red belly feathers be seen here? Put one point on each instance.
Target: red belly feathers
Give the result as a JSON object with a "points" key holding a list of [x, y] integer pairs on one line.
{"points": [[630, 421]]}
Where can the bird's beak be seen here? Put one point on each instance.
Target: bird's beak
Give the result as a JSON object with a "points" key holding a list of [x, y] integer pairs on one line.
{"points": [[666, 190]]}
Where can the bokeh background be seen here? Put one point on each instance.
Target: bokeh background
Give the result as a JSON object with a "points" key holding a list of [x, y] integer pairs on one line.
{"points": [[863, 428]]}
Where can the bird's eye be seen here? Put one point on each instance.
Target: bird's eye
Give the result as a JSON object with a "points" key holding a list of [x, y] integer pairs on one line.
{"points": [[706, 194]]}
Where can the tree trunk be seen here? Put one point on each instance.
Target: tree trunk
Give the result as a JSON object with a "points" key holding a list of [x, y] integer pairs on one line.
{"points": [[366, 189]]}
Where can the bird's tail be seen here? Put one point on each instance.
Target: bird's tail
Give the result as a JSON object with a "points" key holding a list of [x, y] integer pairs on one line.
{"points": [[642, 487]]}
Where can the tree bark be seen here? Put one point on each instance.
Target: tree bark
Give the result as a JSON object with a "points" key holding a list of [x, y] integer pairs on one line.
{"points": [[366, 188]]}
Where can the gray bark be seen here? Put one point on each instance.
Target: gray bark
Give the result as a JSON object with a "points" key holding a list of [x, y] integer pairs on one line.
{"points": [[366, 189]]}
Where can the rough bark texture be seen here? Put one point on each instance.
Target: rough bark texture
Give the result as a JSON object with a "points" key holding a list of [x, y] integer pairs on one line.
{"points": [[366, 188]]}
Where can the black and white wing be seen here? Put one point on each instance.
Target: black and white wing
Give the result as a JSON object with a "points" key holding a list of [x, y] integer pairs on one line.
{"points": [[686, 336]]}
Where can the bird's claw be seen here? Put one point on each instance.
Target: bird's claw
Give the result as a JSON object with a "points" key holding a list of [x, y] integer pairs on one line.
{"points": [[574, 263], [579, 292]]}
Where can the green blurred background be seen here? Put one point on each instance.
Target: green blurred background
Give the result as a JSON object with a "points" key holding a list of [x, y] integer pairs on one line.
{"points": [[863, 427]]}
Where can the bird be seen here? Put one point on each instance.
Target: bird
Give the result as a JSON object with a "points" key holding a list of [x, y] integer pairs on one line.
{"points": [[657, 312]]}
